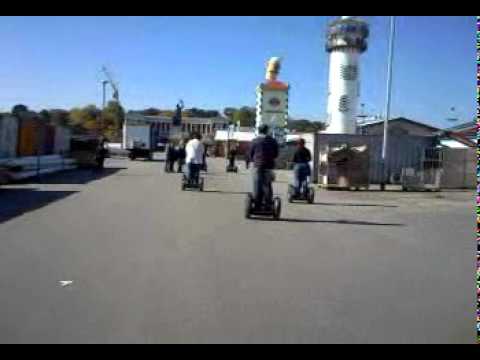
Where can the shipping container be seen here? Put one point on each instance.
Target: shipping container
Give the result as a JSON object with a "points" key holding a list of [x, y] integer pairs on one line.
{"points": [[31, 136], [63, 136], [27, 138], [49, 145], [41, 133], [8, 136]]}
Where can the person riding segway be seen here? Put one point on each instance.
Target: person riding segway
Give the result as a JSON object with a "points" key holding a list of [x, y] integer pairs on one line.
{"points": [[301, 190], [194, 160], [262, 154]]}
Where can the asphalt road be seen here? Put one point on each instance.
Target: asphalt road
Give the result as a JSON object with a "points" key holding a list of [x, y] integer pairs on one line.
{"points": [[152, 264]]}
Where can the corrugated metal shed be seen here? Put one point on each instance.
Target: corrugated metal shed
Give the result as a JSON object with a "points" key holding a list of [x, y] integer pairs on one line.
{"points": [[404, 151]]}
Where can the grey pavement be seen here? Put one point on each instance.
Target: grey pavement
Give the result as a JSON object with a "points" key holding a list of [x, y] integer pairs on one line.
{"points": [[152, 264]]}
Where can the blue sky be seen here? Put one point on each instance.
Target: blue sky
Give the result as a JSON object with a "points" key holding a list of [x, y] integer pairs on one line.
{"points": [[214, 62]]}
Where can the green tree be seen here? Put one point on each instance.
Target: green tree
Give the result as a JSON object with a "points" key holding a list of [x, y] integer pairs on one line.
{"points": [[18, 109], [245, 116], [59, 117], [228, 112], [151, 112], [112, 118], [44, 115], [305, 126], [85, 119]]}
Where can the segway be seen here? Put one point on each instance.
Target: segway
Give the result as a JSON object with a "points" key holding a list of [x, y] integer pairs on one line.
{"points": [[272, 209], [307, 193], [231, 167], [168, 168], [194, 184]]}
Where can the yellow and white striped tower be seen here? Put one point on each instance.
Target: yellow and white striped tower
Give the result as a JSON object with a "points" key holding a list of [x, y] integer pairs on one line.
{"points": [[272, 101]]}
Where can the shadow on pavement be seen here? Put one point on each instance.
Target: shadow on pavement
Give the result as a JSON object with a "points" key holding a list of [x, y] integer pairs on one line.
{"points": [[16, 202], [352, 205], [226, 192], [342, 222], [78, 176]]}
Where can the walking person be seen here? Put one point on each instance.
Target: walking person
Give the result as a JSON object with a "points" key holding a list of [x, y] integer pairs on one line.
{"points": [[181, 155], [170, 158]]}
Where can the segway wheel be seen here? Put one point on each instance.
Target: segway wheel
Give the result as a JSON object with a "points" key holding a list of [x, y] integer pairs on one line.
{"points": [[311, 195], [277, 208], [248, 206]]}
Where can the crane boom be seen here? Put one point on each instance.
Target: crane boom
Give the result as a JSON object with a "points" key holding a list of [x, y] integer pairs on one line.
{"points": [[112, 82]]}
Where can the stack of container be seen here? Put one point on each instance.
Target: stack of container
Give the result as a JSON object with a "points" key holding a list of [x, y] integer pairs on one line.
{"points": [[8, 136], [36, 165], [29, 146], [63, 137], [30, 135]]}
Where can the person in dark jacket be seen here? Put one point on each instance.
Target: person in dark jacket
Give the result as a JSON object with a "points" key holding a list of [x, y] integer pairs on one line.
{"points": [[232, 156], [301, 169], [181, 155], [205, 155], [170, 158], [101, 153], [263, 152]]}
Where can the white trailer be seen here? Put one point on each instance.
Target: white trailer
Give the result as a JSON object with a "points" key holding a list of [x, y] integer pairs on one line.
{"points": [[137, 138]]}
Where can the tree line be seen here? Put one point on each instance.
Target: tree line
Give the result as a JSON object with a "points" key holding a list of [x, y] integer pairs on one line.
{"points": [[109, 121], [81, 120]]}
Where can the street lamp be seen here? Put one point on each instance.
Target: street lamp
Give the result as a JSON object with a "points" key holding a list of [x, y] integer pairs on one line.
{"points": [[388, 102], [229, 131]]}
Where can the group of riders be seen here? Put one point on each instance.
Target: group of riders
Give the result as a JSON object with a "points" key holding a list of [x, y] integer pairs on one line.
{"points": [[193, 152], [262, 154]]}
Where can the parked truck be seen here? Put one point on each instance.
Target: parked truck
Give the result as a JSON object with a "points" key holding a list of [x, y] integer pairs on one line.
{"points": [[137, 138], [142, 138]]}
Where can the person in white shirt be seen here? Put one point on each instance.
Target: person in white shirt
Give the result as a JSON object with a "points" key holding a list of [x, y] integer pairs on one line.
{"points": [[194, 159]]}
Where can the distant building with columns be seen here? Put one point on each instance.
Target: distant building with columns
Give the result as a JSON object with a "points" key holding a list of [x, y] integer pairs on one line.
{"points": [[164, 130]]}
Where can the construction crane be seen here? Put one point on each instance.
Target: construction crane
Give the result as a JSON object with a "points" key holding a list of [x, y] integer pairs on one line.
{"points": [[113, 84]]}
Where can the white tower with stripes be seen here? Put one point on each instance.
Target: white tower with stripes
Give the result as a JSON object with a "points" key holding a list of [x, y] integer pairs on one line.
{"points": [[346, 40]]}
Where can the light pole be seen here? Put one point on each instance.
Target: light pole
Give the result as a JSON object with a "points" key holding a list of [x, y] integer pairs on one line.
{"points": [[104, 94], [388, 102], [104, 102]]}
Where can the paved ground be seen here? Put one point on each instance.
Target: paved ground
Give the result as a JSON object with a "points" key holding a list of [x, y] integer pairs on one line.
{"points": [[152, 264]]}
